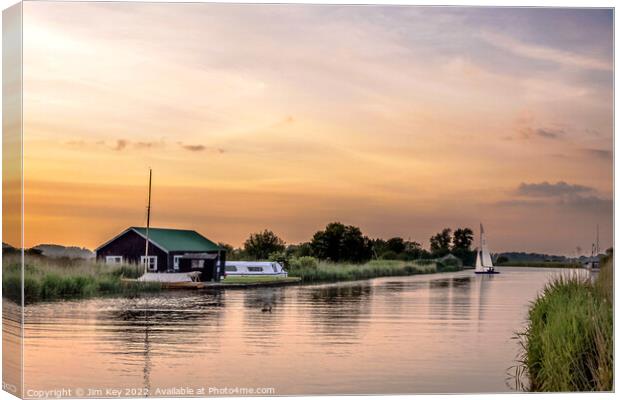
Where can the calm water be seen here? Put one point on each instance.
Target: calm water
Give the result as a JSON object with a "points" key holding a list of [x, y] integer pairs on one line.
{"points": [[421, 334]]}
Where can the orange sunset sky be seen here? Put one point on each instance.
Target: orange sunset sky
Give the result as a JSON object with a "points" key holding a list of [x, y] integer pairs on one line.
{"points": [[400, 120]]}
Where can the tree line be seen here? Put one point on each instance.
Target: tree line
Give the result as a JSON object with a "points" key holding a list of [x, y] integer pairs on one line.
{"points": [[346, 243]]}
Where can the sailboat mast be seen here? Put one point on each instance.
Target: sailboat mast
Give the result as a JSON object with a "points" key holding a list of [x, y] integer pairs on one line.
{"points": [[598, 249], [148, 224]]}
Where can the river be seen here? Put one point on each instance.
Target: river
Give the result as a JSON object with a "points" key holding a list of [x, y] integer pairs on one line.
{"points": [[440, 333]]}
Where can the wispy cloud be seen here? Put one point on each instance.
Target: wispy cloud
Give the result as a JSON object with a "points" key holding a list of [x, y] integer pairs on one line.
{"points": [[599, 153], [549, 133], [120, 145], [543, 53], [546, 189], [200, 147], [193, 147], [545, 133]]}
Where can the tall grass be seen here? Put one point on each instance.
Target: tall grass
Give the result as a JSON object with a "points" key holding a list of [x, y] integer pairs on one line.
{"points": [[49, 279], [568, 344], [333, 272]]}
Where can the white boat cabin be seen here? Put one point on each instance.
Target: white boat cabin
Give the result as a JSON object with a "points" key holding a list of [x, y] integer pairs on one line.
{"points": [[251, 268]]}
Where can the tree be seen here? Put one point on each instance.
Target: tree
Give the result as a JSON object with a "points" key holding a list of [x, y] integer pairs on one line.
{"points": [[440, 243], [300, 250], [226, 247], [501, 260], [396, 244], [260, 245], [412, 251], [461, 245], [341, 243], [462, 239], [379, 247]]}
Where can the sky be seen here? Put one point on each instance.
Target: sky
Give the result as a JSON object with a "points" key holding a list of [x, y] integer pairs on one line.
{"points": [[399, 120]]}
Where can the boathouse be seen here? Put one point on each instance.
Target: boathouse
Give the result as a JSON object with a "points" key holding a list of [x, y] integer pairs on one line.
{"points": [[170, 250]]}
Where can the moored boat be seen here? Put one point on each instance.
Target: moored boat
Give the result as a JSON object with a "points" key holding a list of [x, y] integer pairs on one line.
{"points": [[255, 268]]}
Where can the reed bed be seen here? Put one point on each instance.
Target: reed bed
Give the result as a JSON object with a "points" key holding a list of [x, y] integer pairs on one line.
{"points": [[568, 344], [334, 272], [50, 279]]}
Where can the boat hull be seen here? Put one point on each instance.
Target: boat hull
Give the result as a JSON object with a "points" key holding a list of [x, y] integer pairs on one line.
{"points": [[486, 272]]}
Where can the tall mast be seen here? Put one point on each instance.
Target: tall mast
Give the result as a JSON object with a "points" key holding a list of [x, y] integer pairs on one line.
{"points": [[598, 249], [148, 224]]}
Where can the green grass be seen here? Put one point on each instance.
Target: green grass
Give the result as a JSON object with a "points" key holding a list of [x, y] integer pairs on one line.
{"points": [[258, 279], [49, 279], [540, 264], [334, 272], [568, 344]]}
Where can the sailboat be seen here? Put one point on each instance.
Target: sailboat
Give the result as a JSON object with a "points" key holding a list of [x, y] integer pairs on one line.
{"points": [[484, 264]]}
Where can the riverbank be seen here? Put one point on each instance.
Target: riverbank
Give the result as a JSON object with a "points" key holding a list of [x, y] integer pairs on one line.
{"points": [[337, 272], [540, 264], [568, 344], [50, 280]]}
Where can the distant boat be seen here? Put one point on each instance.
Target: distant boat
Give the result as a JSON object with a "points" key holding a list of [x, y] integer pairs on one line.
{"points": [[593, 263], [484, 264]]}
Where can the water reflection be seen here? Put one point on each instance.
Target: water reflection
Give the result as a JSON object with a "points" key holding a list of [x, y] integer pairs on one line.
{"points": [[420, 334], [336, 311], [263, 310]]}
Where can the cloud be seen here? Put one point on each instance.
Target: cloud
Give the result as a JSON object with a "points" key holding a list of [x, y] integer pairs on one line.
{"points": [[546, 189], [120, 144], [561, 196], [124, 144], [549, 133], [543, 53], [594, 203], [200, 147], [145, 145], [193, 147], [117, 145], [528, 132], [599, 153]]}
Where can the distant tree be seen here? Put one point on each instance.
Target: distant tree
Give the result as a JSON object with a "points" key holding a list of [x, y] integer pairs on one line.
{"points": [[412, 251], [389, 255], [378, 247], [300, 250], [462, 239], [341, 243], [260, 245], [440, 243], [501, 260], [396, 244], [225, 246]]}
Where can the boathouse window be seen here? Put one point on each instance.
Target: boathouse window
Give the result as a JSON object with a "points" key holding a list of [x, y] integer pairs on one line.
{"points": [[231, 268], [255, 269], [114, 259], [198, 264], [176, 260], [152, 262]]}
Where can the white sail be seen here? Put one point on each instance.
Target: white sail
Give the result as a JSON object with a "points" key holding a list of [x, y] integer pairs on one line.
{"points": [[486, 255], [478, 262]]}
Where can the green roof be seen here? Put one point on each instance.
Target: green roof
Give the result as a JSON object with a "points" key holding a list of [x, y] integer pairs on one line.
{"points": [[178, 239]]}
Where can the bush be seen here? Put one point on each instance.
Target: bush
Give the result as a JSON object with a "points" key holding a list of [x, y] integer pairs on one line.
{"points": [[389, 255], [305, 262]]}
